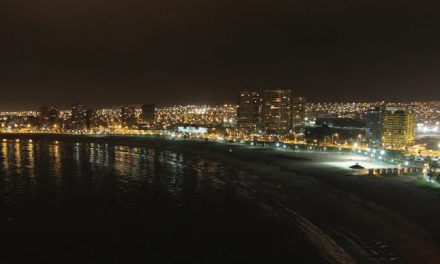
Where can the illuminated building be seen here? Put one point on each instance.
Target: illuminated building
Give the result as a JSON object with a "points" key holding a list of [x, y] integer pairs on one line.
{"points": [[398, 128], [48, 117], [374, 121], [248, 111], [298, 115], [90, 119], [78, 117], [249, 116], [128, 116], [192, 130], [276, 111]]}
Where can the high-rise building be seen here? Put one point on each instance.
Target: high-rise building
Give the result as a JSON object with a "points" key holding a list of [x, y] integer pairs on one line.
{"points": [[374, 123], [78, 117], [128, 116], [49, 117], [398, 128], [248, 111], [90, 119], [298, 115], [276, 111], [148, 113]]}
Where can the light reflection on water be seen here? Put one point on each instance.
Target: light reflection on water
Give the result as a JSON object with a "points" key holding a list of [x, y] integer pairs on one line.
{"points": [[121, 201], [5, 160], [50, 168]]}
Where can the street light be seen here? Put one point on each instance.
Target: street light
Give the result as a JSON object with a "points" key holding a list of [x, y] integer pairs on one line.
{"points": [[336, 135]]}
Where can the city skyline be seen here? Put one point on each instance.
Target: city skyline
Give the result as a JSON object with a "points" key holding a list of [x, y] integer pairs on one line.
{"points": [[216, 131], [138, 103]]}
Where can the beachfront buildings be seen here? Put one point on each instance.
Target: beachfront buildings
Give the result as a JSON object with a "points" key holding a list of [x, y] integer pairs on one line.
{"points": [[49, 118], [268, 111], [276, 112], [128, 116], [91, 120], [398, 128], [272, 112], [77, 118], [147, 116], [298, 115], [374, 123], [249, 105]]}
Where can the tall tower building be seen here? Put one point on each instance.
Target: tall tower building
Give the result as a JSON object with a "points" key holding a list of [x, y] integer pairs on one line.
{"points": [[248, 111], [374, 123], [48, 117], [298, 115], [90, 119], [276, 111], [128, 116], [398, 128], [78, 117]]}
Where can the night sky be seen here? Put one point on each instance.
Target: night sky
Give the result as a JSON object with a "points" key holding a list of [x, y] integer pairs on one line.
{"points": [[104, 52]]}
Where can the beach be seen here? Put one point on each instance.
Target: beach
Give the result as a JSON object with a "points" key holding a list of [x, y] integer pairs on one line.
{"points": [[371, 219]]}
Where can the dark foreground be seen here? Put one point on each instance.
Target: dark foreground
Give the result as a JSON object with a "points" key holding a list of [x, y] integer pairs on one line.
{"points": [[72, 201], [262, 205]]}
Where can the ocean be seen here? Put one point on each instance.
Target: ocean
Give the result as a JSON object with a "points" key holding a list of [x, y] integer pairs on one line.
{"points": [[101, 202]]}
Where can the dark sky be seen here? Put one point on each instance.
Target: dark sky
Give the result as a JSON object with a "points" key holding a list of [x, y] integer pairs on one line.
{"points": [[103, 52]]}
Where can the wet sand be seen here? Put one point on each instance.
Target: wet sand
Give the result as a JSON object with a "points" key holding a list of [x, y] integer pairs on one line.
{"points": [[375, 220]]}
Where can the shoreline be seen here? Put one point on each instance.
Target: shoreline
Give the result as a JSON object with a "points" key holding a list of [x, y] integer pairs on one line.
{"points": [[322, 243], [353, 211]]}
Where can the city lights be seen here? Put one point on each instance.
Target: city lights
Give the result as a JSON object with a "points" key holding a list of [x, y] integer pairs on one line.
{"points": [[248, 121], [220, 131]]}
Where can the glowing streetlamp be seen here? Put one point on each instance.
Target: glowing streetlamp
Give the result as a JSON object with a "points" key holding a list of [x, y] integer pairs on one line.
{"points": [[336, 135]]}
